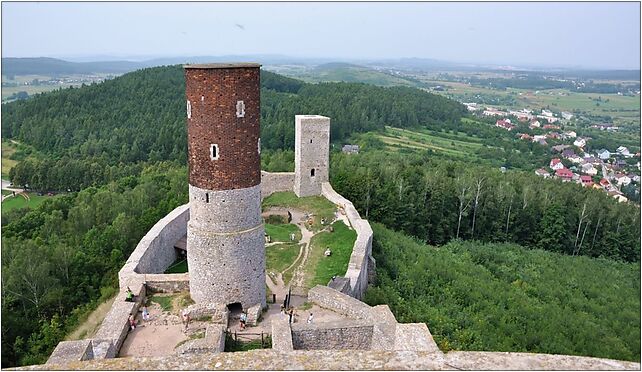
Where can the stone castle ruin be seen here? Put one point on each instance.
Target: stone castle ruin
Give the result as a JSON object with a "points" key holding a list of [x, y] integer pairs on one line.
{"points": [[224, 232]]}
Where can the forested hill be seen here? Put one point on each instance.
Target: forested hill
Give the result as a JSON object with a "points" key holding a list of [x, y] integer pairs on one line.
{"points": [[140, 116], [53, 66]]}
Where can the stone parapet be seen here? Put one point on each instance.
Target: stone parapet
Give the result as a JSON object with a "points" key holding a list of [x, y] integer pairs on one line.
{"points": [[415, 337], [218, 313], [167, 283], [281, 335], [71, 351], [116, 325], [212, 343], [271, 359], [340, 335], [361, 265]]}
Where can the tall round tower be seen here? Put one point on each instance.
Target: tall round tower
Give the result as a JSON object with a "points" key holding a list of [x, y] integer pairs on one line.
{"points": [[225, 234]]}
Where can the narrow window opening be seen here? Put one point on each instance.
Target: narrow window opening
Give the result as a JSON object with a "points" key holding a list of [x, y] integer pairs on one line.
{"points": [[258, 145], [214, 152], [207, 197], [189, 110], [312, 172], [240, 109], [310, 141]]}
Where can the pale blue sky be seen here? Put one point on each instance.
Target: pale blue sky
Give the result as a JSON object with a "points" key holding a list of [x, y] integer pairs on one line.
{"points": [[592, 35]]}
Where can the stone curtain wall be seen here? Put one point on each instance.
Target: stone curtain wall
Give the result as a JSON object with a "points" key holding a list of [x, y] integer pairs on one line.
{"points": [[361, 259], [155, 251], [276, 182], [352, 334]]}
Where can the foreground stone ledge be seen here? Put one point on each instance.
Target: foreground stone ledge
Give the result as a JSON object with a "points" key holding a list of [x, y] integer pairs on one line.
{"points": [[348, 360]]}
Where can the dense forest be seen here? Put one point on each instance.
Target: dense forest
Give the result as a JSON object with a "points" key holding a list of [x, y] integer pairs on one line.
{"points": [[140, 117], [62, 259], [119, 149], [438, 201], [502, 297]]}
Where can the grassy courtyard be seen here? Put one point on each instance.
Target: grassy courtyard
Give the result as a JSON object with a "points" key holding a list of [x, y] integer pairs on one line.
{"points": [[319, 268], [318, 206], [281, 232]]}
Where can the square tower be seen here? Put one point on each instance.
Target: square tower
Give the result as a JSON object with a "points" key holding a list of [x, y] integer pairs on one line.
{"points": [[311, 154]]}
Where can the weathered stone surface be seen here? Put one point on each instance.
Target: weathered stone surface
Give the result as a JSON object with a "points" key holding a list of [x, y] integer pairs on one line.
{"points": [[218, 313], [341, 303], [167, 283], [227, 268], [71, 351], [116, 325], [281, 335], [276, 182], [270, 359], [415, 337], [351, 334], [340, 284], [103, 349], [224, 211], [311, 154], [253, 314], [385, 328], [212, 343]]}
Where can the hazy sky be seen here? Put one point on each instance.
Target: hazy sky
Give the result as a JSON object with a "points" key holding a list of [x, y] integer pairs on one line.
{"points": [[605, 35]]}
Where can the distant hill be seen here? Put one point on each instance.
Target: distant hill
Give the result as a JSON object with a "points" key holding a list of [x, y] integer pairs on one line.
{"points": [[351, 73], [53, 67]]}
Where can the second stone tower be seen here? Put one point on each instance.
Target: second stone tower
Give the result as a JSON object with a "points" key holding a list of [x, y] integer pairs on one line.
{"points": [[225, 234]]}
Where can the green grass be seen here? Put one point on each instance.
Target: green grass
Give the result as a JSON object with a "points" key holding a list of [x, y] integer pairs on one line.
{"points": [[193, 336], [238, 345], [279, 256], [318, 206], [178, 267], [6, 192], [165, 302], [19, 202], [319, 268], [8, 149], [281, 233]]}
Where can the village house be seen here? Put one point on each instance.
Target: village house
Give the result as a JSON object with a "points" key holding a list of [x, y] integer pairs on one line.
{"points": [[603, 154], [560, 148], [634, 177], [542, 173], [564, 174], [547, 113], [589, 169], [567, 115], [524, 136], [493, 112], [534, 124], [350, 149], [553, 135], [623, 151], [586, 180], [548, 126], [556, 164], [622, 179], [505, 124], [579, 142]]}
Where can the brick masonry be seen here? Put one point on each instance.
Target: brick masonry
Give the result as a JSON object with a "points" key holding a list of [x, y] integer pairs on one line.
{"points": [[213, 94], [311, 153], [225, 235]]}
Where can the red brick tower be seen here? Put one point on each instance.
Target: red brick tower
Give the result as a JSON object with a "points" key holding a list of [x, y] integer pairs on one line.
{"points": [[225, 238]]}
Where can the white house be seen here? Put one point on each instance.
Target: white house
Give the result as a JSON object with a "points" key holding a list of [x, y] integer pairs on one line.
{"points": [[589, 169], [547, 113], [603, 154], [556, 164], [570, 134], [567, 115], [623, 151], [580, 142], [622, 179]]}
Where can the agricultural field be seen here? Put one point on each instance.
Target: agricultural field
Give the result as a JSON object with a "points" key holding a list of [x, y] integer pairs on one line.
{"points": [[458, 145], [621, 108], [34, 84]]}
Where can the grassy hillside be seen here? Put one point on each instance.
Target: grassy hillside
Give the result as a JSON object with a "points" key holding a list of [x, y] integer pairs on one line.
{"points": [[349, 73], [502, 297]]}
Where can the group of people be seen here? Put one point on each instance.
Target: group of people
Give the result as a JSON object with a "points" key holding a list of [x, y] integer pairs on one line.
{"points": [[130, 297]]}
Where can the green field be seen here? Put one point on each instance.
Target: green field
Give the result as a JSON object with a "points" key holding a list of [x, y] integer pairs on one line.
{"points": [[459, 145], [279, 257], [621, 108], [20, 202], [281, 233], [319, 268], [7, 149], [178, 267], [318, 206]]}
